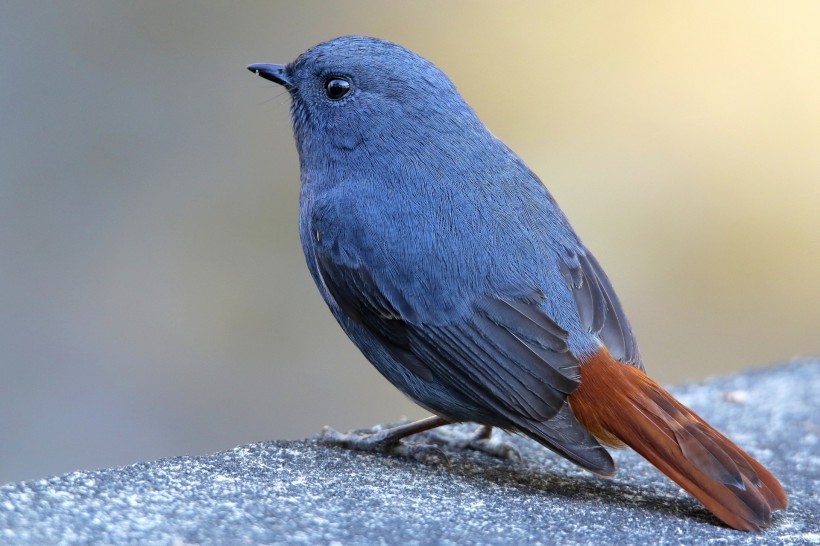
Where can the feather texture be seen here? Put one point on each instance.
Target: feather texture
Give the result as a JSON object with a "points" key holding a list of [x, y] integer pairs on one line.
{"points": [[450, 265], [620, 404]]}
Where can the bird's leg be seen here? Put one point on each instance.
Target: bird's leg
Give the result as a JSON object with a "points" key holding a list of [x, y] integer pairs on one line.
{"points": [[388, 440], [484, 432], [482, 441]]}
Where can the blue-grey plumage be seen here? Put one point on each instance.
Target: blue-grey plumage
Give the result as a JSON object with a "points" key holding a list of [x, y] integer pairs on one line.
{"points": [[439, 251], [452, 268]]}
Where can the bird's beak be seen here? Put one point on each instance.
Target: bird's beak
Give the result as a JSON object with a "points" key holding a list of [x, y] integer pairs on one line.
{"points": [[273, 72]]}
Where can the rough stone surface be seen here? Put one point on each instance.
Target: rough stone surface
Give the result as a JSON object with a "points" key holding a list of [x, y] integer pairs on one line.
{"points": [[303, 493]]}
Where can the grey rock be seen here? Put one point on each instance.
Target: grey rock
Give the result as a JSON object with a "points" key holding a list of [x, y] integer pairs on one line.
{"points": [[304, 493]]}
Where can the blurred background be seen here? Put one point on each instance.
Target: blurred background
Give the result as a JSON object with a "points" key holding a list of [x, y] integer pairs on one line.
{"points": [[153, 296]]}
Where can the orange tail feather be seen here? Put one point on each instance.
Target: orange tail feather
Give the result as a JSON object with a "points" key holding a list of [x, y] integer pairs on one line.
{"points": [[620, 404]]}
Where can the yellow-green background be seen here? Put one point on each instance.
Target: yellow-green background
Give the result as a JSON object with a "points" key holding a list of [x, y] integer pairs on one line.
{"points": [[153, 295]]}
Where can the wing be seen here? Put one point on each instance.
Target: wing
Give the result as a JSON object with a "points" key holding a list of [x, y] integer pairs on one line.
{"points": [[598, 307], [506, 356]]}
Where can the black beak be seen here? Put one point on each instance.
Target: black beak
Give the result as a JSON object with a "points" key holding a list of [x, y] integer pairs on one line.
{"points": [[273, 72]]}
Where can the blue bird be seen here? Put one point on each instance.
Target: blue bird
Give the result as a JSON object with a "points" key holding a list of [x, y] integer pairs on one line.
{"points": [[451, 267]]}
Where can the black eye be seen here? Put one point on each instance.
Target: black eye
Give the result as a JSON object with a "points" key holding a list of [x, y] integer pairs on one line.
{"points": [[336, 88]]}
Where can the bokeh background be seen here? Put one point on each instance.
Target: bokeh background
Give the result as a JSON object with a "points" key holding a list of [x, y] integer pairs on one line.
{"points": [[153, 296]]}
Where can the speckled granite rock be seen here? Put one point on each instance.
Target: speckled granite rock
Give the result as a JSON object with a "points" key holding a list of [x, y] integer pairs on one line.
{"points": [[303, 493]]}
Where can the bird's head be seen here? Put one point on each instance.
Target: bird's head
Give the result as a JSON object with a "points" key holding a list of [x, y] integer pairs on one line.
{"points": [[354, 91]]}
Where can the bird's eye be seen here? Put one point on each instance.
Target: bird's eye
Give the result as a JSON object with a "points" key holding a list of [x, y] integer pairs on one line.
{"points": [[336, 88]]}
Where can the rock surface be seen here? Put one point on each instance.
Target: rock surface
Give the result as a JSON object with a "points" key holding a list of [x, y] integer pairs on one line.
{"points": [[303, 493]]}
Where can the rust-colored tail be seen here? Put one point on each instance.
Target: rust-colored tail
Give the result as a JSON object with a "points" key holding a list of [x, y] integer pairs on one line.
{"points": [[620, 405]]}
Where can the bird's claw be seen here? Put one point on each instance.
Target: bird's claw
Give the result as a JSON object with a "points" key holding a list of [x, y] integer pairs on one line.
{"points": [[424, 453], [497, 449], [378, 440], [480, 441]]}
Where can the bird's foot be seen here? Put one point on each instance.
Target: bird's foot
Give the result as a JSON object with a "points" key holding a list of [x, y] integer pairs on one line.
{"points": [[481, 441], [387, 440]]}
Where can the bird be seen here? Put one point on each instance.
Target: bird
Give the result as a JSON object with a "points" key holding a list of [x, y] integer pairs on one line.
{"points": [[452, 268]]}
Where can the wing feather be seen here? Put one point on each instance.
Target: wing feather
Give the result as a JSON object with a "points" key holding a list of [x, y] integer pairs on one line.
{"points": [[506, 354], [598, 307]]}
